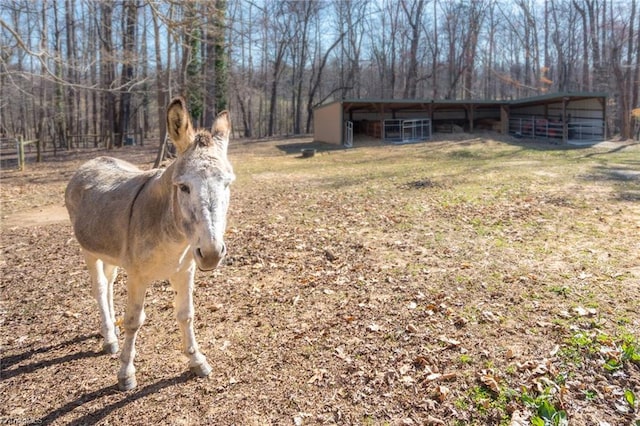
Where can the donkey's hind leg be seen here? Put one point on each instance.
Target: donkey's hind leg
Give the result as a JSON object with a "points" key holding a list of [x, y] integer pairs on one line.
{"points": [[111, 272], [102, 277]]}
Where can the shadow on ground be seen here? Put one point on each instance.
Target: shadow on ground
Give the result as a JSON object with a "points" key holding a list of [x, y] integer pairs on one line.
{"points": [[297, 147], [127, 398]]}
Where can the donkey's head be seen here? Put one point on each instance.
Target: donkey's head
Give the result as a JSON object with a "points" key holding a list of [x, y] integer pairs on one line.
{"points": [[201, 178]]}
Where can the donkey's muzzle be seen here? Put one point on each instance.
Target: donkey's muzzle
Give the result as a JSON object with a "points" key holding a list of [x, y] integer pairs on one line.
{"points": [[208, 258]]}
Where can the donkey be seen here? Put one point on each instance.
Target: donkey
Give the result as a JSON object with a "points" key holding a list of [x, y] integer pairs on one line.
{"points": [[156, 224]]}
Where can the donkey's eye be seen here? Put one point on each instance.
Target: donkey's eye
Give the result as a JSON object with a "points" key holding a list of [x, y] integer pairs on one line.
{"points": [[184, 188]]}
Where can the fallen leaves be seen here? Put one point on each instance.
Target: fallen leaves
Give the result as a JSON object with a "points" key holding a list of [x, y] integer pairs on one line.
{"points": [[318, 376], [583, 312], [374, 328], [490, 380], [370, 306], [437, 377], [442, 392], [451, 343], [412, 329], [489, 316]]}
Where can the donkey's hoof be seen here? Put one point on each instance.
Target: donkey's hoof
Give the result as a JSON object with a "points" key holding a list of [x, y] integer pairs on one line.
{"points": [[201, 370], [127, 383], [110, 347]]}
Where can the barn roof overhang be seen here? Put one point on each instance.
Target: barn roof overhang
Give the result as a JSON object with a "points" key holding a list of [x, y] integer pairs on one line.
{"points": [[558, 97], [388, 105], [396, 105]]}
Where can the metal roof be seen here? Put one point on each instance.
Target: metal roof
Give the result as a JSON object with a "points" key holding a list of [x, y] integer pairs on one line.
{"points": [[375, 105]]}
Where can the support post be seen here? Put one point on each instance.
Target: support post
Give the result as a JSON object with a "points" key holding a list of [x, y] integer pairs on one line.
{"points": [[565, 121], [20, 149], [504, 119]]}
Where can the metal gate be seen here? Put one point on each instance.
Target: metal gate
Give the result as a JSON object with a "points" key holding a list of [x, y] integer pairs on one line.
{"points": [[399, 131], [348, 135]]}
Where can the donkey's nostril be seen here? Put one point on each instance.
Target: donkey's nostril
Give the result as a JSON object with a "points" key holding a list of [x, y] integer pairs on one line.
{"points": [[199, 253], [224, 249]]}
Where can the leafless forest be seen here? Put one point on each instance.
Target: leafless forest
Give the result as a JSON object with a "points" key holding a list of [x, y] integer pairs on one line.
{"points": [[77, 73]]}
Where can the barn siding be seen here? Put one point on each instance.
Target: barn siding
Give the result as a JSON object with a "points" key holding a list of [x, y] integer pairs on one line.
{"points": [[328, 123]]}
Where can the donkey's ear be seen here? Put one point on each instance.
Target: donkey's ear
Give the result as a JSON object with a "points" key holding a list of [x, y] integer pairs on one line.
{"points": [[222, 126], [179, 124], [221, 129]]}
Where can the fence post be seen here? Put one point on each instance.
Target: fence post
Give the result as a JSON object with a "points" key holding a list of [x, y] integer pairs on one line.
{"points": [[20, 153]]}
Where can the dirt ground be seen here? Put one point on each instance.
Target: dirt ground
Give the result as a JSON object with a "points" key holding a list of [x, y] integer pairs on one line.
{"points": [[362, 287]]}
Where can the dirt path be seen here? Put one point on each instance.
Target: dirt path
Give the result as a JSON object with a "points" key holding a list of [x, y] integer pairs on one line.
{"points": [[40, 216]]}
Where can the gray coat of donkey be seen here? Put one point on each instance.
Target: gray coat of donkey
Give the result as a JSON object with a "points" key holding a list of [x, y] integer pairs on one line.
{"points": [[157, 224]]}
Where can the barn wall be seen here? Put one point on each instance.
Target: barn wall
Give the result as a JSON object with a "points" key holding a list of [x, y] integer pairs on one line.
{"points": [[586, 109], [448, 113], [581, 109], [538, 110], [327, 123], [375, 116]]}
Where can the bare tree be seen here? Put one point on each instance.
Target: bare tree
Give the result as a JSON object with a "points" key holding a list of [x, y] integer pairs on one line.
{"points": [[413, 16], [128, 62]]}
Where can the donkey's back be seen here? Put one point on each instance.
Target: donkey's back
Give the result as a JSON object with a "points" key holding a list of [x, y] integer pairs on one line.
{"points": [[100, 198]]}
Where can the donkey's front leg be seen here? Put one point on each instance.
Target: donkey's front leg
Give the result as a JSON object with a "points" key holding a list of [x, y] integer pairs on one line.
{"points": [[133, 319], [182, 283]]}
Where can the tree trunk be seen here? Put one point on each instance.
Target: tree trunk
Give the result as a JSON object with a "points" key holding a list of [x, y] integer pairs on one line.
{"points": [[160, 94], [414, 17], [107, 73], [70, 101], [129, 45]]}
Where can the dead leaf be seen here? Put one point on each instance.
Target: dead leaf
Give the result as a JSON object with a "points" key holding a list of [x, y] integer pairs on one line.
{"points": [[412, 329], [519, 419], [490, 316], [448, 341], [432, 377], [434, 421], [580, 311], [583, 312], [407, 380], [489, 380], [373, 328], [512, 352], [340, 354], [422, 362], [442, 392], [298, 420], [404, 369], [317, 376], [460, 321]]}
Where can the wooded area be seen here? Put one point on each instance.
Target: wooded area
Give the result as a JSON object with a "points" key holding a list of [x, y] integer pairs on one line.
{"points": [[77, 73]]}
